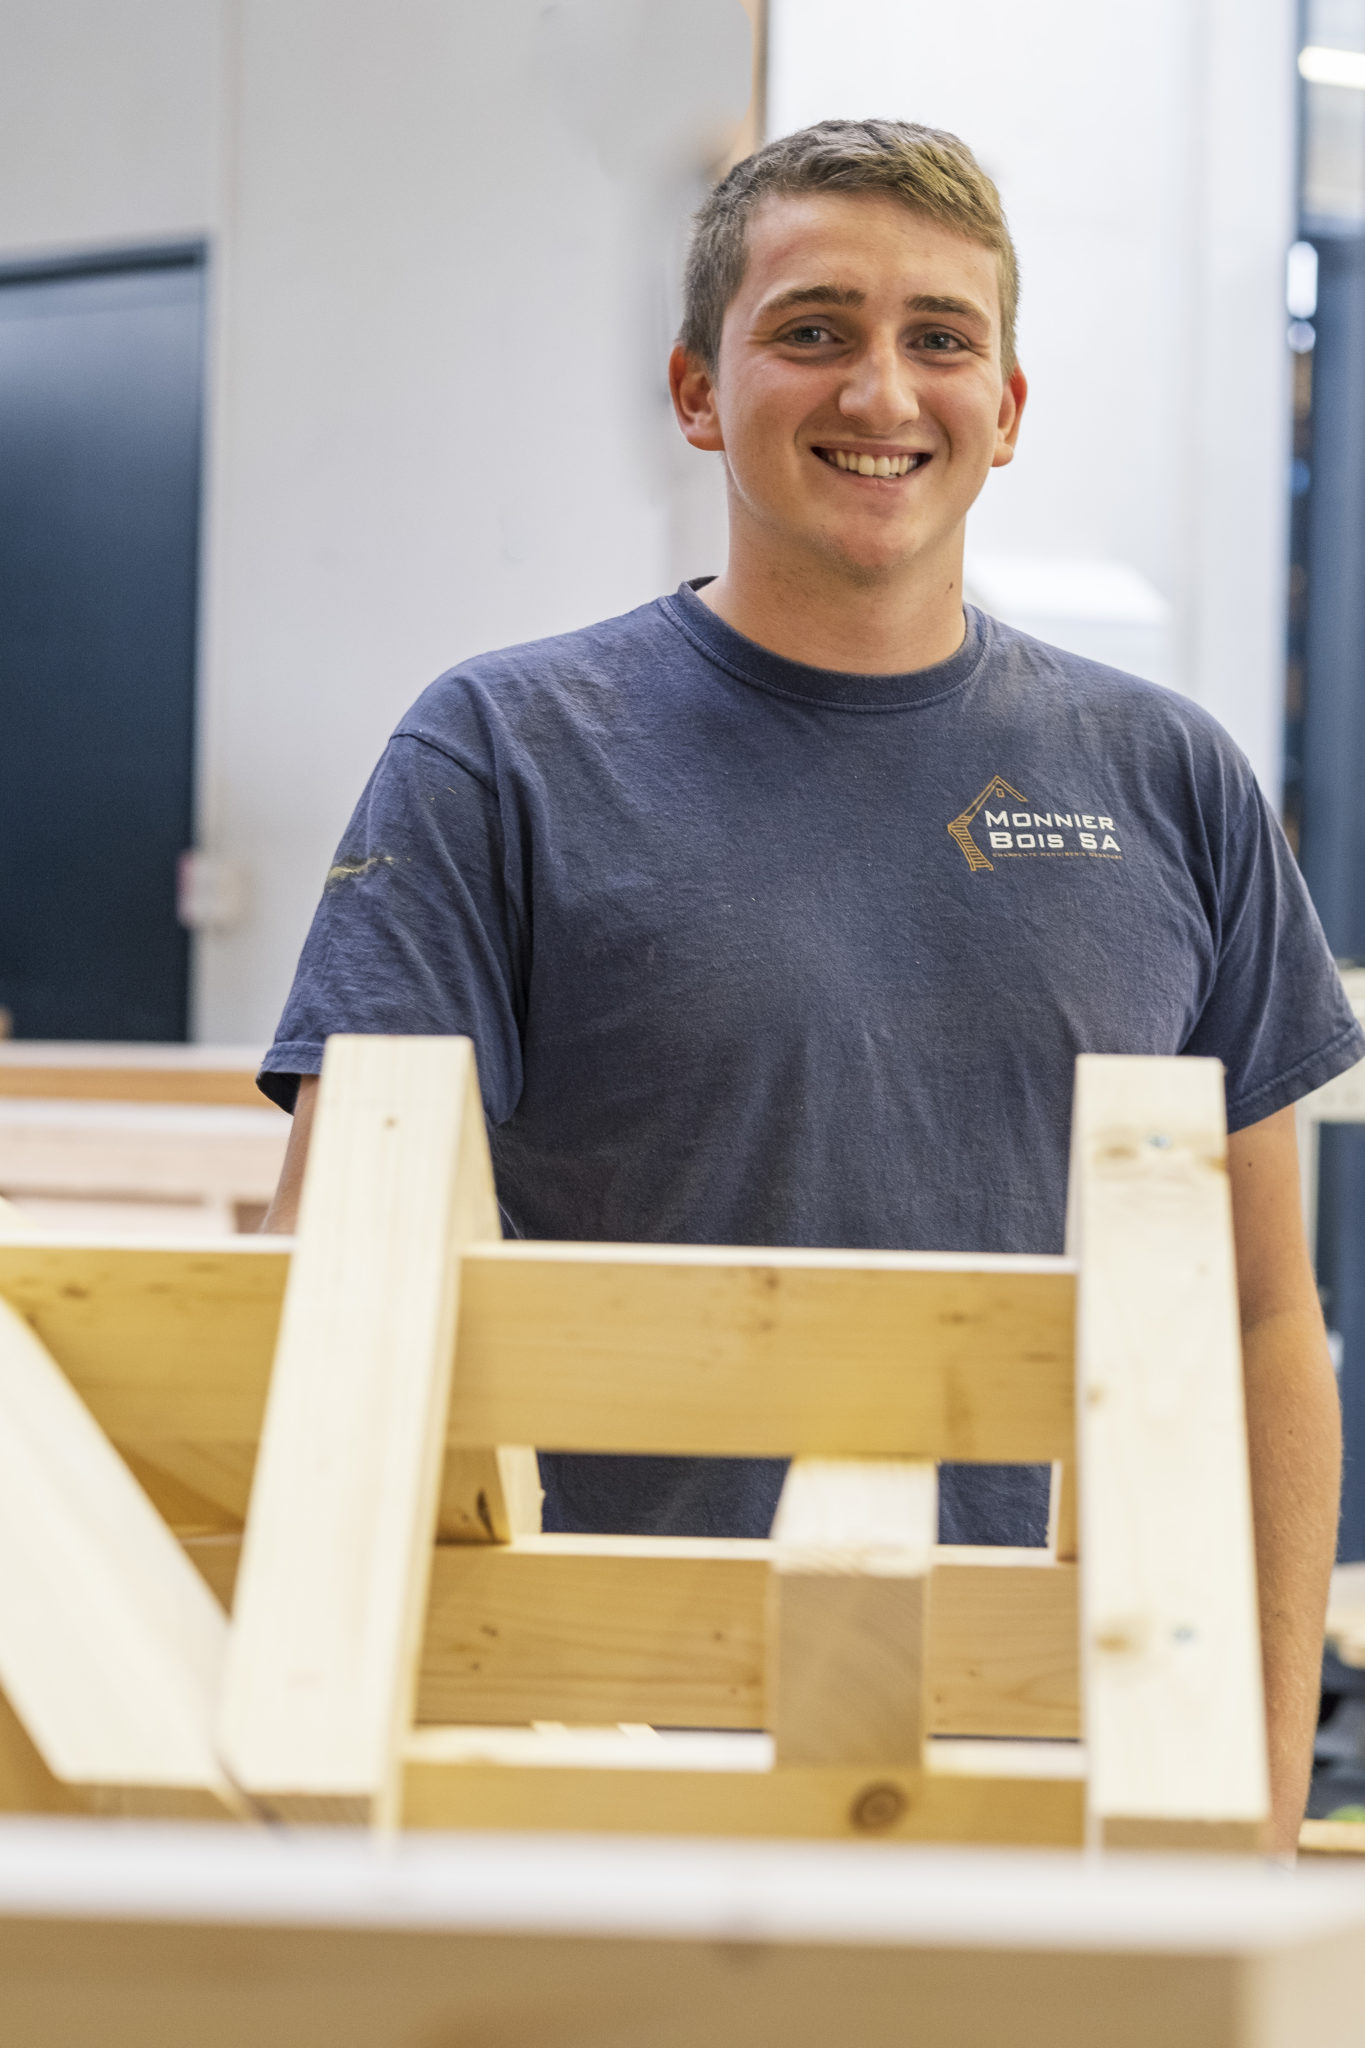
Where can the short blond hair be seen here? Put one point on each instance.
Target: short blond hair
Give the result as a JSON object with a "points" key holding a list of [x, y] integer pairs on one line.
{"points": [[927, 169]]}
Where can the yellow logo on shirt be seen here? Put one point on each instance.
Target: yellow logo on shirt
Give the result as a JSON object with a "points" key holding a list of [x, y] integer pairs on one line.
{"points": [[1015, 833]]}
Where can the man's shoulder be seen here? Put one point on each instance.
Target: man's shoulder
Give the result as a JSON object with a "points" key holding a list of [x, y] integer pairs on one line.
{"points": [[1132, 713], [561, 676]]}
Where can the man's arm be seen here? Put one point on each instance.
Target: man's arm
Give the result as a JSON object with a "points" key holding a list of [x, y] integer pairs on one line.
{"points": [[283, 1213], [1294, 1438]]}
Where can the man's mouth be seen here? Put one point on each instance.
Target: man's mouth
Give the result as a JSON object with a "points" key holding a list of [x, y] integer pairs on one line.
{"points": [[858, 463]]}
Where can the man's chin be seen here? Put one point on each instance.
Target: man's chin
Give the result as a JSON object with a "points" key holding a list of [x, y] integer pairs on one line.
{"points": [[879, 561]]}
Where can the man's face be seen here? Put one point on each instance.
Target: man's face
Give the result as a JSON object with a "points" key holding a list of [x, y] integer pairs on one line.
{"points": [[863, 335]]}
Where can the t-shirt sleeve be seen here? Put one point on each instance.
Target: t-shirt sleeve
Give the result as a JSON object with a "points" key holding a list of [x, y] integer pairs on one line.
{"points": [[420, 928], [1277, 1014]]}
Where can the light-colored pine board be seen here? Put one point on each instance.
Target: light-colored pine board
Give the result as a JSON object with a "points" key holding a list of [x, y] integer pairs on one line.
{"points": [[72, 1070], [140, 1151], [1170, 1640], [136, 1935], [322, 1668], [111, 1647], [199, 1489], [26, 1783], [714, 1351], [937, 1356], [163, 1342], [1332, 1838], [608, 1780], [848, 1601], [670, 1630], [489, 1496], [1062, 1538], [1004, 1644]]}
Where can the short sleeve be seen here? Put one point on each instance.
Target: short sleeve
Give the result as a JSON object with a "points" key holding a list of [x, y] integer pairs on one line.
{"points": [[1277, 1015], [419, 930]]}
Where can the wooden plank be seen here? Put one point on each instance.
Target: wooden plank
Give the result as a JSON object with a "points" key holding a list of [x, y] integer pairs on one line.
{"points": [[848, 1601], [26, 1783], [111, 1647], [698, 1348], [1170, 1639], [650, 1783], [72, 1070], [322, 1668], [489, 1496], [165, 1343], [1332, 1838], [706, 1350], [1062, 1538], [1004, 1644], [135, 1935], [140, 1151], [670, 1630]]}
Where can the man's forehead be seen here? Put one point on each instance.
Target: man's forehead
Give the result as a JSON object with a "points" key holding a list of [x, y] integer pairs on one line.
{"points": [[851, 247]]}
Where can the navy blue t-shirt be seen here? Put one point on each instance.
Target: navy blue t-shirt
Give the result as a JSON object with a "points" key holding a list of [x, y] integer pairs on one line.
{"points": [[758, 953]]}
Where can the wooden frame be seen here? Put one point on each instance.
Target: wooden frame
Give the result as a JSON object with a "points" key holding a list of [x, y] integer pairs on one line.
{"points": [[396, 1612]]}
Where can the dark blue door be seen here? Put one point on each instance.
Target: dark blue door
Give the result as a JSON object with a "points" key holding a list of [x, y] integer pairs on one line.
{"points": [[101, 377]]}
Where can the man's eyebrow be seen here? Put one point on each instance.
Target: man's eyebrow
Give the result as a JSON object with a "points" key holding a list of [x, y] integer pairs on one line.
{"points": [[927, 302], [811, 295]]}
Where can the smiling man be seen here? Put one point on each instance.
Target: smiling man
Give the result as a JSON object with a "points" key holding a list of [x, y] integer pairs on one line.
{"points": [[779, 909]]}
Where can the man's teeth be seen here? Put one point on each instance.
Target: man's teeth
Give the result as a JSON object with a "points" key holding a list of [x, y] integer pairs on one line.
{"points": [[873, 465]]}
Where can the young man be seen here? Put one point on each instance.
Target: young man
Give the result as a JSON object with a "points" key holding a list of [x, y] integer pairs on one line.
{"points": [[779, 909]]}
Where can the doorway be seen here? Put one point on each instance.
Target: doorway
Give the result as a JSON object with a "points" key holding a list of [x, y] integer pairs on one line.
{"points": [[101, 400]]}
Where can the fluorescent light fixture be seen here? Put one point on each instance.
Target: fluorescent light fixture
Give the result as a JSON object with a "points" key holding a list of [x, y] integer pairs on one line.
{"points": [[1301, 281], [1321, 66]]}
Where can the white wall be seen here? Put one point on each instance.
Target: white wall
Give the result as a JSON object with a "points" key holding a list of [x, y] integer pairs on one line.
{"points": [[1145, 159], [108, 122], [436, 371], [434, 427]]}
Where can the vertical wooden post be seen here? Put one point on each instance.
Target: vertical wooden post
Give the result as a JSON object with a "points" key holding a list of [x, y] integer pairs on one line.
{"points": [[1171, 1668], [331, 1595], [1061, 1512], [848, 1610]]}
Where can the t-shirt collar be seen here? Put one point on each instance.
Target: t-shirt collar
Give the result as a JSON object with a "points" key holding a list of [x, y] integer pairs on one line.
{"points": [[838, 689]]}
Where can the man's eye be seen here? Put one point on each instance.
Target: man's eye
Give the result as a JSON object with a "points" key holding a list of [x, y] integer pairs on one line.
{"points": [[808, 334], [941, 342]]}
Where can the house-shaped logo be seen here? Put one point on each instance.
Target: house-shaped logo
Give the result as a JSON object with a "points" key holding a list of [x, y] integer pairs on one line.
{"points": [[996, 790]]}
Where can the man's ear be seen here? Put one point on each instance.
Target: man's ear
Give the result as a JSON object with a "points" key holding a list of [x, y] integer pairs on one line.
{"points": [[694, 399], [1012, 401]]}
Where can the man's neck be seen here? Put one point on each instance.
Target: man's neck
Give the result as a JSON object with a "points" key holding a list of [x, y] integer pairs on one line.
{"points": [[830, 620]]}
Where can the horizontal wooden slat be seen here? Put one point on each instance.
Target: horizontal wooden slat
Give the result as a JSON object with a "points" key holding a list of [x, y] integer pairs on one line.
{"points": [[761, 1353], [669, 1630], [66, 1069], [592, 1347], [164, 1343], [609, 1780]]}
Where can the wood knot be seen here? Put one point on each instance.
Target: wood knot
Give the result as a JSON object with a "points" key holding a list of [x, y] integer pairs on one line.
{"points": [[878, 1807]]}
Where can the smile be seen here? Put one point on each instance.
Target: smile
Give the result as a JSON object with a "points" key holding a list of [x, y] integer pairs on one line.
{"points": [[872, 465]]}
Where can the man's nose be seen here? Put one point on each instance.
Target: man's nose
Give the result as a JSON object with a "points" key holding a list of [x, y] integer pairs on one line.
{"points": [[879, 390]]}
